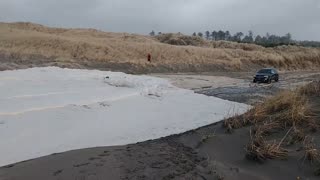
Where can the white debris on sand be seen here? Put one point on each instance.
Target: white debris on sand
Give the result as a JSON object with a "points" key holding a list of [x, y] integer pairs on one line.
{"points": [[51, 110]]}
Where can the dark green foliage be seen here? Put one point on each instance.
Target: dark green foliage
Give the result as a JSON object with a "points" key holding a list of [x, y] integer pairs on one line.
{"points": [[200, 34], [269, 40]]}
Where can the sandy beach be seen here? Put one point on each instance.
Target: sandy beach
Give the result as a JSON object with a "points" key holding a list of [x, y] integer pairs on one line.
{"points": [[205, 153]]}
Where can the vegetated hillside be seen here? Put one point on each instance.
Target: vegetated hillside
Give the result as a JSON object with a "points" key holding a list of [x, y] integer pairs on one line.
{"points": [[184, 40], [27, 45]]}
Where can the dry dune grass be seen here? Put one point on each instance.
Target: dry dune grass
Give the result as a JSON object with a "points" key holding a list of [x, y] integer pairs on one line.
{"points": [[311, 152], [184, 40], [288, 113], [288, 108], [259, 149], [24, 43], [312, 89]]}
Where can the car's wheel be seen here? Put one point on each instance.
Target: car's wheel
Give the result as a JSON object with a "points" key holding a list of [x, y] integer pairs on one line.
{"points": [[269, 80], [277, 79], [254, 81]]}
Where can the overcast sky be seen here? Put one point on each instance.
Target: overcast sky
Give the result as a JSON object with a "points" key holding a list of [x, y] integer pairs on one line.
{"points": [[299, 17]]}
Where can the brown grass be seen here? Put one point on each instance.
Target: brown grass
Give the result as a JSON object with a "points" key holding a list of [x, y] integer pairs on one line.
{"points": [[182, 40], [312, 154], [20, 42], [289, 108], [260, 150], [297, 135], [311, 89], [236, 122], [266, 128], [288, 111]]}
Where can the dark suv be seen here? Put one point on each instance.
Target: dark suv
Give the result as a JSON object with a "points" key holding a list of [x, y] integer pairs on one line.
{"points": [[266, 75]]}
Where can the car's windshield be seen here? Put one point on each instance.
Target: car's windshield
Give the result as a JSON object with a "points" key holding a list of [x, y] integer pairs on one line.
{"points": [[265, 71]]}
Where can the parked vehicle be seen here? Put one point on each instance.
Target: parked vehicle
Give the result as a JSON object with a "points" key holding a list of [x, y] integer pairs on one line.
{"points": [[266, 75]]}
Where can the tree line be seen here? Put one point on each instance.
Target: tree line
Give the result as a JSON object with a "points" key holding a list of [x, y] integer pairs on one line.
{"points": [[268, 40]]}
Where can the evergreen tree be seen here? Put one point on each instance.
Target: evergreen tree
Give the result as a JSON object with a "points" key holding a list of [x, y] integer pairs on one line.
{"points": [[221, 35], [214, 35], [227, 36], [258, 40], [207, 35], [237, 37], [248, 38], [152, 33]]}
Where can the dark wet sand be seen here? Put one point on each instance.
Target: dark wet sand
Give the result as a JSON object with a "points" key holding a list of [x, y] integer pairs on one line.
{"points": [[206, 153], [238, 86]]}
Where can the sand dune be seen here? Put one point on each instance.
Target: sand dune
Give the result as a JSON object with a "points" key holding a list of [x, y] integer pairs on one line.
{"points": [[27, 45]]}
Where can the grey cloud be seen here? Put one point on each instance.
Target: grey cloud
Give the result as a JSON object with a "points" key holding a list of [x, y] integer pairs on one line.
{"points": [[301, 18]]}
